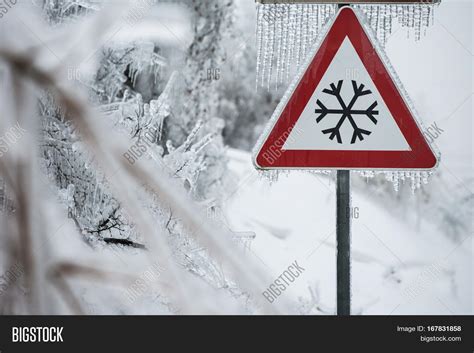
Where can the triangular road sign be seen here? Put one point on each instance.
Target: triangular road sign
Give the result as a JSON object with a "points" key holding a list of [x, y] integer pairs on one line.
{"points": [[344, 111]]}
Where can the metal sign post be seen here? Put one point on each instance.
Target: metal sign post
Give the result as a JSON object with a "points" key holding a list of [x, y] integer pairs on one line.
{"points": [[343, 235], [343, 239]]}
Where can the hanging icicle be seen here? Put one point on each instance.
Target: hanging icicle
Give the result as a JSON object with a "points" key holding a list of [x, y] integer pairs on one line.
{"points": [[415, 179], [415, 18], [284, 35], [285, 32]]}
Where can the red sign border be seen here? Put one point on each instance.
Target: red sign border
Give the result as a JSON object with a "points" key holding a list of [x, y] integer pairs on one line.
{"points": [[420, 157]]}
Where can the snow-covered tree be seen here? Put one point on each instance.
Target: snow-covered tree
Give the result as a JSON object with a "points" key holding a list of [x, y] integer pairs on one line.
{"points": [[172, 119]]}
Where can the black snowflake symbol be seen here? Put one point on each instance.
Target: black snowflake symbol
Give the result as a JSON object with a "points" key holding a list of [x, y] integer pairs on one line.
{"points": [[347, 111]]}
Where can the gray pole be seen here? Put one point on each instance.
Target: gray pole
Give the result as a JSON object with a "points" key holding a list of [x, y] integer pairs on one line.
{"points": [[343, 234]]}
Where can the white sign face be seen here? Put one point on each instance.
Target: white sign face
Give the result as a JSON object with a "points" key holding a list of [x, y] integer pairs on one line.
{"points": [[346, 112]]}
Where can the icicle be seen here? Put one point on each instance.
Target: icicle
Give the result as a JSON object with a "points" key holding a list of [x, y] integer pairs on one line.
{"points": [[327, 11], [313, 23], [274, 19], [297, 50], [377, 21], [265, 42], [425, 17], [425, 177], [392, 15], [402, 176], [381, 29], [317, 17], [432, 15], [404, 21], [414, 18], [285, 41], [305, 46], [279, 45], [417, 20], [367, 174], [271, 176], [387, 21], [415, 178], [373, 17], [259, 36], [284, 35], [291, 41], [418, 180], [396, 181]]}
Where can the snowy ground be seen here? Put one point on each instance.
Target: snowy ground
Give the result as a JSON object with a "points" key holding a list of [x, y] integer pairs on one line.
{"points": [[395, 268]]}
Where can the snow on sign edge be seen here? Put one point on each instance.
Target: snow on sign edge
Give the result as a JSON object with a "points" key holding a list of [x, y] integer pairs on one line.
{"points": [[301, 72]]}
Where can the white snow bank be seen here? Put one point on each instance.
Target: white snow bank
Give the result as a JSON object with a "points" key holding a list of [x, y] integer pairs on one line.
{"points": [[396, 269]]}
